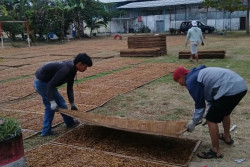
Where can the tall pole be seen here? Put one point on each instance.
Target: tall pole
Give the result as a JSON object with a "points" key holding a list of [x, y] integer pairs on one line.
{"points": [[175, 17], [28, 33], [1, 34], [247, 22], [165, 19], [120, 22]]}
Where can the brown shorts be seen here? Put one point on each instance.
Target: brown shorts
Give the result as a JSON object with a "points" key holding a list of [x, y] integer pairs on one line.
{"points": [[223, 107]]}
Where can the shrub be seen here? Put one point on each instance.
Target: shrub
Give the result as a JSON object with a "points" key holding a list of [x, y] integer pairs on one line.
{"points": [[9, 128], [144, 29], [172, 31]]}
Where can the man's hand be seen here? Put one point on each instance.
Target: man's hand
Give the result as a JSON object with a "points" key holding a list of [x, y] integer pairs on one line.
{"points": [[202, 43], [53, 105], [73, 107], [190, 126]]}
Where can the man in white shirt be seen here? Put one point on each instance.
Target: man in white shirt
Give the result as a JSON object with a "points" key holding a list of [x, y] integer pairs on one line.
{"points": [[194, 35]]}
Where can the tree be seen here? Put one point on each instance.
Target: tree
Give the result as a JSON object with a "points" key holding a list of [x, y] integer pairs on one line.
{"points": [[95, 15], [3, 11], [12, 10], [77, 7], [15, 8], [19, 8], [226, 5], [57, 13], [12, 29], [37, 17]]}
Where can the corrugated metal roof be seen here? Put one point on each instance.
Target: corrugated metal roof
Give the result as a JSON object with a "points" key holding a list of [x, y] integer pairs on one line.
{"points": [[113, 1], [122, 18], [158, 3]]}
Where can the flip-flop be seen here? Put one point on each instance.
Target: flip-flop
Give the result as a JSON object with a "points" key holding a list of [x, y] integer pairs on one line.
{"points": [[221, 137], [209, 155]]}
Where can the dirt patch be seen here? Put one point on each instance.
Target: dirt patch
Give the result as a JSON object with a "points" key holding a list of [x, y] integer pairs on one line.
{"points": [[56, 156], [31, 121], [147, 147], [26, 105]]}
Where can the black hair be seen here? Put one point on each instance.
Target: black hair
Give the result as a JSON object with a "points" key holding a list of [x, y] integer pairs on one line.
{"points": [[84, 59]]}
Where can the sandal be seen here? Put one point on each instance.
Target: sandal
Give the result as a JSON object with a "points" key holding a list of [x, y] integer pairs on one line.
{"points": [[221, 137], [209, 155]]}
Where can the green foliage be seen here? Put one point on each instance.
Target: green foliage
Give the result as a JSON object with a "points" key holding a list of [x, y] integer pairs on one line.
{"points": [[227, 5], [46, 16], [9, 128], [3, 11], [9, 4], [11, 29], [18, 10], [144, 29], [37, 16], [57, 13], [95, 15]]}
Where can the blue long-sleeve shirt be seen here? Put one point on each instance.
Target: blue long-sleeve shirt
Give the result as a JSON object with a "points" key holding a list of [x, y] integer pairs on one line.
{"points": [[211, 83], [56, 74]]}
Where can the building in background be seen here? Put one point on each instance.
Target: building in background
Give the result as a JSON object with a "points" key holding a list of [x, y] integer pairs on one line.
{"points": [[161, 15]]}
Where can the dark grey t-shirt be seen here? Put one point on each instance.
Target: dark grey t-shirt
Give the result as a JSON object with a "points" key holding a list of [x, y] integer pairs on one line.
{"points": [[56, 74]]}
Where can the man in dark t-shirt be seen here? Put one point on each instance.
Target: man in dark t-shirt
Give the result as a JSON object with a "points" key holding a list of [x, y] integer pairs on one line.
{"points": [[49, 77]]}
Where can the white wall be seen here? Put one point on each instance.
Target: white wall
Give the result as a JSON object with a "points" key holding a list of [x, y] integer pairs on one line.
{"points": [[167, 22], [175, 24], [222, 24], [116, 26], [150, 21]]}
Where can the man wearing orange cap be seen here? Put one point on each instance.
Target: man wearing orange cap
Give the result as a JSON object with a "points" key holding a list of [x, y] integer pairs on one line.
{"points": [[222, 89]]}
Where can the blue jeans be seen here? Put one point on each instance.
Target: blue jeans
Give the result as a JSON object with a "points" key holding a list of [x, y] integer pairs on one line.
{"points": [[41, 88]]}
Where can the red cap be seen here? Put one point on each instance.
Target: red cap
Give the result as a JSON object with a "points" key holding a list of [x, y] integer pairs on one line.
{"points": [[178, 72]]}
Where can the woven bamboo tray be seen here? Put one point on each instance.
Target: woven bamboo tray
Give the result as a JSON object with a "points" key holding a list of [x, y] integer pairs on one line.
{"points": [[162, 128]]}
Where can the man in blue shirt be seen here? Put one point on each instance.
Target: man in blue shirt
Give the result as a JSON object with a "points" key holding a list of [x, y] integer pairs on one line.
{"points": [[49, 77], [222, 89]]}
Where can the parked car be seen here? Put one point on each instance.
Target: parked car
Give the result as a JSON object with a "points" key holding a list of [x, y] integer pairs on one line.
{"points": [[204, 28]]}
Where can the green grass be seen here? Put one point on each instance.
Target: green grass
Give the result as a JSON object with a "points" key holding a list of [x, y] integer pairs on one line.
{"points": [[16, 78], [167, 117], [165, 79], [240, 66], [235, 34], [246, 115]]}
